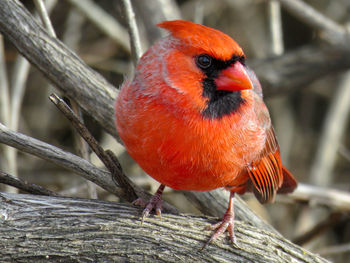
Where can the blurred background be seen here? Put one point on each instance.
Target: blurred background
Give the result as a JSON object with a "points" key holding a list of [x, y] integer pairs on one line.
{"points": [[310, 118]]}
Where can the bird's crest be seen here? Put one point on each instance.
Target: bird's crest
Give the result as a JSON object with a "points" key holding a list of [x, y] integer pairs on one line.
{"points": [[207, 39]]}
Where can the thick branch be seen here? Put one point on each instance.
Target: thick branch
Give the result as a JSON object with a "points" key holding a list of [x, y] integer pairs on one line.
{"points": [[71, 230]]}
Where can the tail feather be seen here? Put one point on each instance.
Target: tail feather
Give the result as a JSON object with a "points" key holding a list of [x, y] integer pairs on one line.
{"points": [[289, 182]]}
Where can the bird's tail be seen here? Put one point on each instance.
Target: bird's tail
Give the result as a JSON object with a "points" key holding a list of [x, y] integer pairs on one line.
{"points": [[289, 182]]}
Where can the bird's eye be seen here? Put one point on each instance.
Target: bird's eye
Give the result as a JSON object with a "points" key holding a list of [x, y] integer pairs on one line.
{"points": [[204, 61]]}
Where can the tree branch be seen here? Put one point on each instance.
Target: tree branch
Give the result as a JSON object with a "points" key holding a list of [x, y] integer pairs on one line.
{"points": [[24, 186], [135, 42], [53, 154], [68, 230], [333, 199]]}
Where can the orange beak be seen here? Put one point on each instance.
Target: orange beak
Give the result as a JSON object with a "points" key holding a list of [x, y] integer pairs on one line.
{"points": [[234, 78]]}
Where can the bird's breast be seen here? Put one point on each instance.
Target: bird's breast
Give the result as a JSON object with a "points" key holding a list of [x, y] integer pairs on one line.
{"points": [[180, 148]]}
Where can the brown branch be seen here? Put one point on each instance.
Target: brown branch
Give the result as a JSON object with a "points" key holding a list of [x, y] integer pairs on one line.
{"points": [[113, 165], [34, 189]]}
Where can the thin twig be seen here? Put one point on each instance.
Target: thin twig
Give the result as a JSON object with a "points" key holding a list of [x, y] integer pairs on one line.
{"points": [[281, 108], [198, 13], [334, 250], [18, 83], [24, 186], [44, 16], [118, 176], [135, 42], [152, 12], [83, 147], [5, 105], [73, 28], [333, 32], [333, 130], [104, 21], [71, 37], [4, 87], [276, 31], [111, 163], [81, 144], [333, 199]]}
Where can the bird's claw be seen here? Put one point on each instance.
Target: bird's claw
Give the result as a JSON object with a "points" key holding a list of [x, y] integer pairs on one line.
{"points": [[154, 204], [227, 223]]}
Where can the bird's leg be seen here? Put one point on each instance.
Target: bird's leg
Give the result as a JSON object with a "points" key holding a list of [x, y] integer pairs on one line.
{"points": [[155, 203], [227, 223]]}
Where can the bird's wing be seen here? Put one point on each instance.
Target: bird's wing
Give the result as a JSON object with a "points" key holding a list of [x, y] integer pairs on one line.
{"points": [[267, 173]]}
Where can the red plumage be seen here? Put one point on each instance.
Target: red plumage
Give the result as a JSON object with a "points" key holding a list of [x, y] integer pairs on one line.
{"points": [[193, 118]]}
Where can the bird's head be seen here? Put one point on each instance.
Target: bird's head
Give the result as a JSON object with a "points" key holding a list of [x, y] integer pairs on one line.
{"points": [[205, 64]]}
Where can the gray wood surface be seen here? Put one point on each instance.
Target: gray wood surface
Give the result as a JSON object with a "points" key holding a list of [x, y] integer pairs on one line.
{"points": [[56, 229]]}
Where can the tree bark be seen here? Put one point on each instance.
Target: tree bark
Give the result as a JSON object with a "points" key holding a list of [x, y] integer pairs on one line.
{"points": [[56, 229]]}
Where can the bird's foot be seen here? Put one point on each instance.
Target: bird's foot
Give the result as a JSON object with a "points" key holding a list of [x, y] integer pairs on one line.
{"points": [[155, 203], [227, 223]]}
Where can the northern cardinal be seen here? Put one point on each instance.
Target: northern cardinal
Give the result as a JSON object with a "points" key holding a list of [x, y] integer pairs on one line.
{"points": [[193, 118]]}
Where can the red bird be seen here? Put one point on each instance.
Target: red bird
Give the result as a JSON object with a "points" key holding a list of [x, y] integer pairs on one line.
{"points": [[193, 118]]}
